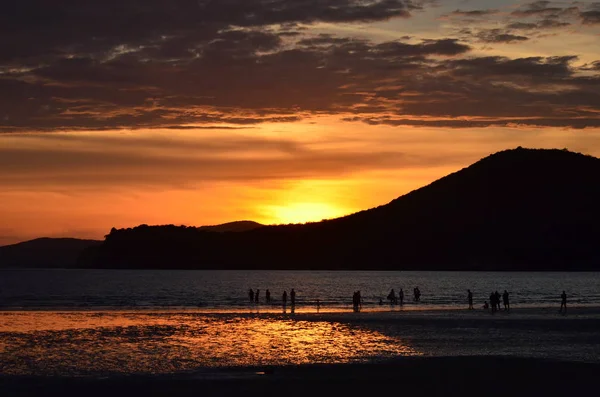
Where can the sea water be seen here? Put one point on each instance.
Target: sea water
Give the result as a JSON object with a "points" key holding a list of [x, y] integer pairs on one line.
{"points": [[107, 322], [228, 290]]}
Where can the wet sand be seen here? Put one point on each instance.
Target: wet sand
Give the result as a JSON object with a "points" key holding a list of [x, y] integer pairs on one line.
{"points": [[526, 352], [468, 376]]}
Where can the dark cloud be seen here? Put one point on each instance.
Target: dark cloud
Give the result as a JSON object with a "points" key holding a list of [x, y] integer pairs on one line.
{"points": [[579, 123], [38, 29], [474, 13], [535, 67], [499, 36], [537, 8], [522, 25], [594, 66], [127, 65], [555, 16], [590, 17]]}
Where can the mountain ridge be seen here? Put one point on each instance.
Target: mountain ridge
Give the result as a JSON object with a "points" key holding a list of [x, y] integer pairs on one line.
{"points": [[518, 209], [44, 252]]}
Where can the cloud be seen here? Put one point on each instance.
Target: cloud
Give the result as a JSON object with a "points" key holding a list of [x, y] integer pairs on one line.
{"points": [[537, 8], [183, 64], [474, 13], [590, 17], [34, 161], [554, 14], [499, 36]]}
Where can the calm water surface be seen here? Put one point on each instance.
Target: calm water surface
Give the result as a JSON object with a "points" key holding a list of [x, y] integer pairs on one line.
{"points": [[105, 322], [227, 290]]}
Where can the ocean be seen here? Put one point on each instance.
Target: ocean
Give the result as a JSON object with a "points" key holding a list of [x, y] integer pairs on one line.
{"points": [[99, 323], [227, 291]]}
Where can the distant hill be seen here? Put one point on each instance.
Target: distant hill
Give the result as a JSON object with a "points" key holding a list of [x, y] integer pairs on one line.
{"points": [[44, 252], [520, 209], [238, 226]]}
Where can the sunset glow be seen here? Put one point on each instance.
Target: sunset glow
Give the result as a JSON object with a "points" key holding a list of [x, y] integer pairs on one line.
{"points": [[279, 113]]}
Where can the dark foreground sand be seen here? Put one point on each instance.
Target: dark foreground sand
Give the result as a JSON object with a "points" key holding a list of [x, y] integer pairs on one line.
{"points": [[414, 376]]}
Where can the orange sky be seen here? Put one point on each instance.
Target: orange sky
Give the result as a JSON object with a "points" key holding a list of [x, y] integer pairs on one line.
{"points": [[262, 174], [276, 113]]}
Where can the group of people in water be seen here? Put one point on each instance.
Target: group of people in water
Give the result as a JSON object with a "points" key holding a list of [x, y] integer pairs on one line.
{"points": [[255, 295], [494, 302], [399, 299]]}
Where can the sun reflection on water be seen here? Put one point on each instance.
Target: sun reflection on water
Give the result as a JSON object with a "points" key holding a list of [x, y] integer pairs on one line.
{"points": [[84, 343]]}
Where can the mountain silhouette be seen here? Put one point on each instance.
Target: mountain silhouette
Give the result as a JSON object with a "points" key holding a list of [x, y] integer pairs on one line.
{"points": [[520, 209], [237, 226], [45, 252]]}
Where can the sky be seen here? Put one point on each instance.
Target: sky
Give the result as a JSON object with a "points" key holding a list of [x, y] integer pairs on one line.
{"points": [[198, 112]]}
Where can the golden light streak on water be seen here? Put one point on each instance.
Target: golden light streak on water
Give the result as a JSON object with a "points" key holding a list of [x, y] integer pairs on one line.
{"points": [[102, 343]]}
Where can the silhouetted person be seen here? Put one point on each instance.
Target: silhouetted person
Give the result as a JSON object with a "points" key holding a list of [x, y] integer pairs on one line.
{"points": [[493, 302], [505, 300], [355, 301], [392, 297], [268, 296], [359, 298], [293, 298], [251, 295], [401, 296], [497, 296], [256, 295], [417, 293], [563, 302], [470, 299], [284, 298]]}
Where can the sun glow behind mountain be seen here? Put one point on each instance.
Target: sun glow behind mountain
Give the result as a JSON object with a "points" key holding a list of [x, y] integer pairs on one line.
{"points": [[276, 111]]}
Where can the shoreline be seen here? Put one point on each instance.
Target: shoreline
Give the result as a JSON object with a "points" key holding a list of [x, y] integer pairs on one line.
{"points": [[311, 310]]}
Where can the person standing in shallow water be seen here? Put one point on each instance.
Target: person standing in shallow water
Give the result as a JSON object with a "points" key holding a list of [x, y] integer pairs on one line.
{"points": [[256, 295], [563, 303], [268, 296], [470, 299], [401, 297], [251, 295], [293, 297], [417, 292], [505, 300]]}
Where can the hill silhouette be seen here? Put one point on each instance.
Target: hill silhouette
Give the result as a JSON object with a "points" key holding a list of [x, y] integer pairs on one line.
{"points": [[520, 209], [237, 226], [44, 252]]}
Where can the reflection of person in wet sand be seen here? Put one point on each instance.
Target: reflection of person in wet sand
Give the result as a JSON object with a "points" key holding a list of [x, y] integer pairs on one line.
{"points": [[563, 303]]}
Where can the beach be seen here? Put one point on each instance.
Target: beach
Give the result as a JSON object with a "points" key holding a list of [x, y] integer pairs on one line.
{"points": [[188, 333], [180, 352]]}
